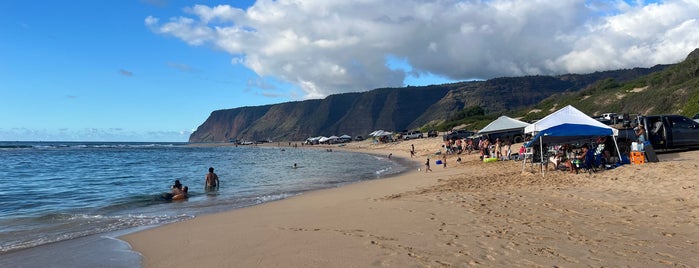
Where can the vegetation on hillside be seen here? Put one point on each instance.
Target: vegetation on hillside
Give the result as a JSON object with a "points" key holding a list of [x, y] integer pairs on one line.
{"points": [[465, 105], [672, 90]]}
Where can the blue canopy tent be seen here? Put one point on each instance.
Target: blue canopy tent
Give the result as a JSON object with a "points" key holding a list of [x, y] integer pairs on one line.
{"points": [[568, 133]]}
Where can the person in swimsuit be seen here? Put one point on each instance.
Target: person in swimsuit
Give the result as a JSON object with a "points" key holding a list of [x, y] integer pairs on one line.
{"points": [[175, 190], [212, 182]]}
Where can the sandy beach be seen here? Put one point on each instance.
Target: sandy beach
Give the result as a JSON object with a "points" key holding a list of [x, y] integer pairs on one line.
{"points": [[467, 214]]}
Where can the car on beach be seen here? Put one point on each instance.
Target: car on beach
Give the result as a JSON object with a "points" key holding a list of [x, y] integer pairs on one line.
{"points": [[458, 134], [667, 131], [512, 136], [415, 134], [696, 118], [432, 133]]}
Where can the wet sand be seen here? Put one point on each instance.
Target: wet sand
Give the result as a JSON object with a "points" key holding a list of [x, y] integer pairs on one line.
{"points": [[468, 214]]}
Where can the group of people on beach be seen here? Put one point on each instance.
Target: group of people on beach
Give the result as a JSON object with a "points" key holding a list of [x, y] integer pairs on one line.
{"points": [[178, 191], [572, 158], [458, 146], [500, 149]]}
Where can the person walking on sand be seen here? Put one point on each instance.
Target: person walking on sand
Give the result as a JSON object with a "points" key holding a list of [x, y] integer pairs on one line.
{"points": [[412, 150], [427, 166], [212, 182], [444, 160]]}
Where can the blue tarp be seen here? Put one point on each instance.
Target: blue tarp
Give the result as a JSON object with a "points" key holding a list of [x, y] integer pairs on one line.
{"points": [[569, 132]]}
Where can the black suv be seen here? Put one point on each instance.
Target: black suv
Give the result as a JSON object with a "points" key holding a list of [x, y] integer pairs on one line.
{"points": [[458, 134]]}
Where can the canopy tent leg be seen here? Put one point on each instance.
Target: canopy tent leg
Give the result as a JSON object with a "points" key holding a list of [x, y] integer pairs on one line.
{"points": [[617, 149], [541, 147]]}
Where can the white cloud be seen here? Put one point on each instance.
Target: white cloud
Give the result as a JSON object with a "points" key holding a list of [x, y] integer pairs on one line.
{"points": [[327, 47], [642, 36]]}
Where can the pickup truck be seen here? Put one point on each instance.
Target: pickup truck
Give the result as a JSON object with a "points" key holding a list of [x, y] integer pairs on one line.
{"points": [[664, 131]]}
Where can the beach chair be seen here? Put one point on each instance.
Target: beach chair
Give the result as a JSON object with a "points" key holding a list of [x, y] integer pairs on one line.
{"points": [[531, 155], [528, 155]]}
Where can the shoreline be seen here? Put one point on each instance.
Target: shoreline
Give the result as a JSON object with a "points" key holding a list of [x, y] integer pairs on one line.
{"points": [[472, 213], [109, 246]]}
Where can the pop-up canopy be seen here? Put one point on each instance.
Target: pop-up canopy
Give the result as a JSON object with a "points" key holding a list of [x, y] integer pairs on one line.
{"points": [[503, 123], [566, 115], [566, 125]]}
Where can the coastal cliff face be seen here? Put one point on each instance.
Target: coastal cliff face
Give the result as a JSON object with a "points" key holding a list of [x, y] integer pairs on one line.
{"points": [[225, 124], [349, 113], [391, 108]]}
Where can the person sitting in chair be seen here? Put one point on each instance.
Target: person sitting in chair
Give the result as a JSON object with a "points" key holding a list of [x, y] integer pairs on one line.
{"points": [[558, 158], [574, 164]]}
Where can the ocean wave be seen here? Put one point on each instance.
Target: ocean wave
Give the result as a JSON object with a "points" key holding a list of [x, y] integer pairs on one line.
{"points": [[383, 171], [79, 225], [272, 197], [81, 145]]}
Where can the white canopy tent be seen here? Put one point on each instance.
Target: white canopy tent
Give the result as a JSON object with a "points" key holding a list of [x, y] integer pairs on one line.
{"points": [[379, 133], [503, 123]]}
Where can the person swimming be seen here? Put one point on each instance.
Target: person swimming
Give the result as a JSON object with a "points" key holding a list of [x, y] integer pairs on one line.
{"points": [[182, 195], [175, 190]]}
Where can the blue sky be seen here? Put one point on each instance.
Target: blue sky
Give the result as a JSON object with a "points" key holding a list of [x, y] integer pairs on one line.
{"points": [[153, 70]]}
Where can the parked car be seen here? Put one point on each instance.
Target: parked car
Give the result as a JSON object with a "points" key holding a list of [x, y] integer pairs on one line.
{"points": [[696, 117], [514, 136], [458, 134], [416, 134], [665, 131], [432, 133]]}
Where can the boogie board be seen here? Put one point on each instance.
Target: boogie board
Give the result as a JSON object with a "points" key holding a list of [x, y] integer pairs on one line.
{"points": [[180, 197], [488, 160]]}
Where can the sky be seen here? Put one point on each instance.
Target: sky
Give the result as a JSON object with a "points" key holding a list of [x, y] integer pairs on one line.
{"points": [[153, 70]]}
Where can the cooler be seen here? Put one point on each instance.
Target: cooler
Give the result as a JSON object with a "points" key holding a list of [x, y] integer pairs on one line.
{"points": [[637, 158]]}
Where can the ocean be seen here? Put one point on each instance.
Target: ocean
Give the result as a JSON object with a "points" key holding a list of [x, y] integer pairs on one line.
{"points": [[56, 193]]}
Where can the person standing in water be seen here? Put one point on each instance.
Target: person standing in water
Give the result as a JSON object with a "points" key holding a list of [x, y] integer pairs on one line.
{"points": [[212, 182]]}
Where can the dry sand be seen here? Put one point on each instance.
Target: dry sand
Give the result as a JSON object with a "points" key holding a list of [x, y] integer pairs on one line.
{"points": [[468, 214]]}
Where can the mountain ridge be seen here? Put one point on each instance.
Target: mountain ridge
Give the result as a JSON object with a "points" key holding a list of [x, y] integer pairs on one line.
{"points": [[411, 107]]}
